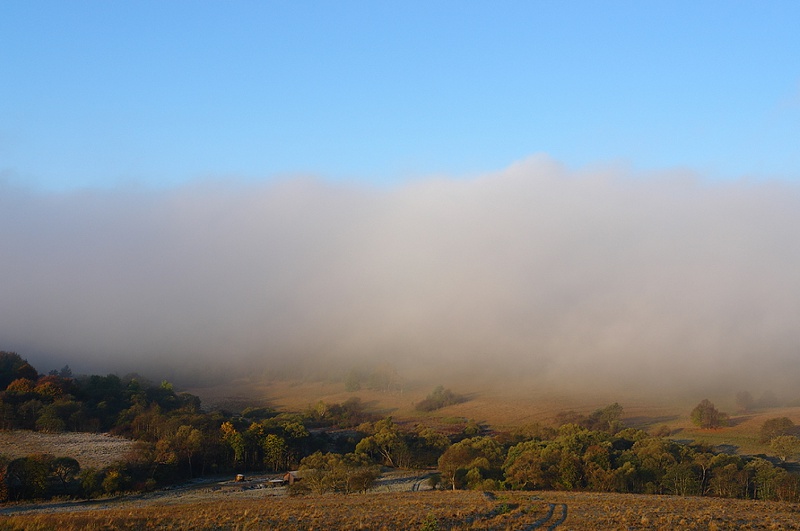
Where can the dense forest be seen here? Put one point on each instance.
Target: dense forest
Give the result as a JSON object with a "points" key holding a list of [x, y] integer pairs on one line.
{"points": [[342, 447]]}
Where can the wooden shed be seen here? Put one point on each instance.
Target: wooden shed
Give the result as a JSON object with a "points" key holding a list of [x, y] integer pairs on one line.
{"points": [[292, 476]]}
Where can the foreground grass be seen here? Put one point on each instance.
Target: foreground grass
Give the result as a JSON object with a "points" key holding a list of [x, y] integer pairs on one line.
{"points": [[432, 510]]}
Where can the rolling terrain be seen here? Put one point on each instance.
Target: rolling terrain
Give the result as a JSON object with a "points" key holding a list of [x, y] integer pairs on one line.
{"points": [[506, 409]]}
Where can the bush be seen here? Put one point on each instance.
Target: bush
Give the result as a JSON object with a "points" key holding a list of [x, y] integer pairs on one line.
{"points": [[439, 398], [113, 482], [91, 482], [431, 523], [298, 489]]}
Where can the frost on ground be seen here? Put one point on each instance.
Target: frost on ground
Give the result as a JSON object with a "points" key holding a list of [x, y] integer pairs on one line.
{"points": [[96, 450]]}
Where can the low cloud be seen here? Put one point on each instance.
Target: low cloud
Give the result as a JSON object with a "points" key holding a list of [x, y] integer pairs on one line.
{"points": [[596, 277]]}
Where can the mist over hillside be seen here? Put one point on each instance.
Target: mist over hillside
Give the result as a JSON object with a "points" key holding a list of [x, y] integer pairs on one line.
{"points": [[535, 274]]}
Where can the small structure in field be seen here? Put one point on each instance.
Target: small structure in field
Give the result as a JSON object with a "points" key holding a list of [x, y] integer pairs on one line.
{"points": [[239, 477], [293, 476]]}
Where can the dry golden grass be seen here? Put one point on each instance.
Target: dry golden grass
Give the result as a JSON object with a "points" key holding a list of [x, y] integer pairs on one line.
{"points": [[499, 407], [506, 408], [449, 510], [742, 435], [513, 406]]}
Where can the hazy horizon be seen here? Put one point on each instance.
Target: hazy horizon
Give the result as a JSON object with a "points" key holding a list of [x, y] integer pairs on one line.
{"points": [[598, 277]]}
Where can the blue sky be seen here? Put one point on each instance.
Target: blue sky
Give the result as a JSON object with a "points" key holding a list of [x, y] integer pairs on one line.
{"points": [[580, 247], [98, 94]]}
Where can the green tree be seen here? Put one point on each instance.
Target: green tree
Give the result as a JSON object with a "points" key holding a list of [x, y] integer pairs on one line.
{"points": [[49, 420], [356, 473], [113, 481], [454, 460], [426, 446], [682, 479], [275, 452], [728, 479], [234, 440], [608, 419], [28, 476], [785, 446], [187, 442], [319, 471], [706, 416], [766, 478], [65, 469], [386, 442], [473, 463], [532, 465], [28, 412], [775, 427]]}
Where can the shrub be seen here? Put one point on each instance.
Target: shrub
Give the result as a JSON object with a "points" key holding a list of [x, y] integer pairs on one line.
{"points": [[439, 398], [431, 523], [298, 489], [91, 481]]}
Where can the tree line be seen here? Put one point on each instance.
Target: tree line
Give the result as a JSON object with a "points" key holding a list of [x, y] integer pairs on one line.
{"points": [[628, 461]]}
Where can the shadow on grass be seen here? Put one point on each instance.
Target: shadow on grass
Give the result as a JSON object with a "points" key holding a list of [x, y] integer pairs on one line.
{"points": [[730, 449], [371, 407], [643, 422], [735, 421]]}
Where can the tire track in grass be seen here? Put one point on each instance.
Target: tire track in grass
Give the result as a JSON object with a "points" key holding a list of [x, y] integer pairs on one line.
{"points": [[548, 517], [420, 481], [543, 520], [561, 519]]}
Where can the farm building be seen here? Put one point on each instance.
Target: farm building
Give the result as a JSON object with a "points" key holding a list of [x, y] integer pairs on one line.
{"points": [[292, 476]]}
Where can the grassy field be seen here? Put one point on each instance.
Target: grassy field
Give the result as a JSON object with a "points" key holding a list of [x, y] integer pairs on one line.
{"points": [[432, 510], [740, 436], [498, 407], [90, 449]]}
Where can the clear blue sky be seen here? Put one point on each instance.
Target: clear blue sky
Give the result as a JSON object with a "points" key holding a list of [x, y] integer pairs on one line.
{"points": [[98, 93]]}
